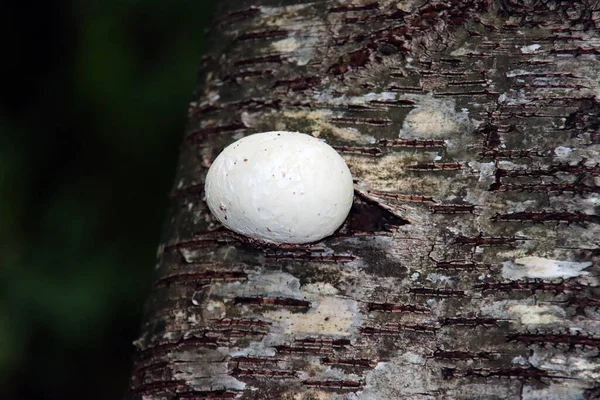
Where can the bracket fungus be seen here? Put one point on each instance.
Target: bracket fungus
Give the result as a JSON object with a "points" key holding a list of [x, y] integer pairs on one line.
{"points": [[280, 187]]}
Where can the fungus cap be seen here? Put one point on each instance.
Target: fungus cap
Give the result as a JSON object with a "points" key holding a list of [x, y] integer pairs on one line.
{"points": [[280, 187]]}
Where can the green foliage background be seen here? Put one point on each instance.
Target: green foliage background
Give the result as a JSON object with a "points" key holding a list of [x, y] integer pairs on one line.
{"points": [[94, 98]]}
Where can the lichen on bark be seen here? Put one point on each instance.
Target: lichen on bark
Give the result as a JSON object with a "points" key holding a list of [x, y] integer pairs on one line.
{"points": [[468, 268]]}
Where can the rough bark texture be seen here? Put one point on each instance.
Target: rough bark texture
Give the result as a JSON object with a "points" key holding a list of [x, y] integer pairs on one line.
{"points": [[468, 268]]}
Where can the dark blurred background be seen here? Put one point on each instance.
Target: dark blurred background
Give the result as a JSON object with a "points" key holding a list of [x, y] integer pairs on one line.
{"points": [[93, 105]]}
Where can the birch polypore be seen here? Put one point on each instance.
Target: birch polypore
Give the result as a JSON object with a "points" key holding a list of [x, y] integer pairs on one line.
{"points": [[280, 187]]}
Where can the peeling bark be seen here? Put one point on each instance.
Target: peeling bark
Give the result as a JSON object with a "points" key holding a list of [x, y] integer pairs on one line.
{"points": [[468, 268]]}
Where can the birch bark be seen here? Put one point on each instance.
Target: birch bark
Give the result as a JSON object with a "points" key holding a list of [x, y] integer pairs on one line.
{"points": [[468, 268]]}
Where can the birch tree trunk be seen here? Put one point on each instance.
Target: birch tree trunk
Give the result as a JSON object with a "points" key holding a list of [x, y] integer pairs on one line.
{"points": [[468, 268]]}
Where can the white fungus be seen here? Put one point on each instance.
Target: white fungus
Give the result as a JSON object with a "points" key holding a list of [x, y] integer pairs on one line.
{"points": [[280, 187]]}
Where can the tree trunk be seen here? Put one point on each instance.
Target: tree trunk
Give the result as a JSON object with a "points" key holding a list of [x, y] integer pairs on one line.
{"points": [[468, 268]]}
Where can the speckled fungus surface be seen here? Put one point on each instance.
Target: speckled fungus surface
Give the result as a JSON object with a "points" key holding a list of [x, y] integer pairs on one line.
{"points": [[280, 187]]}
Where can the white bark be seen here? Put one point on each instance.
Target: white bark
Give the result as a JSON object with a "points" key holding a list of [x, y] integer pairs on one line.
{"points": [[468, 268]]}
